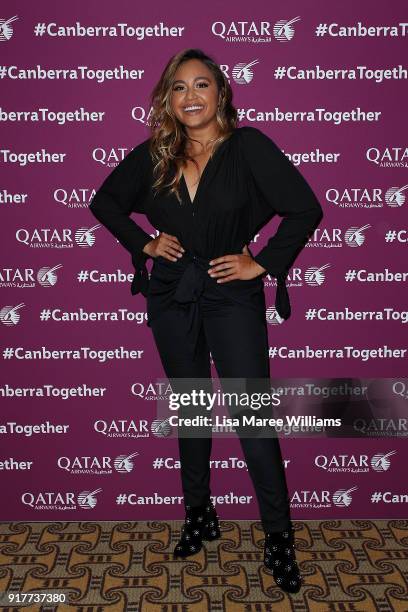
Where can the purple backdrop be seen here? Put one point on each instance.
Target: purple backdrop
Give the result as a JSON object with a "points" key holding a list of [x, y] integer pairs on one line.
{"points": [[349, 134]]}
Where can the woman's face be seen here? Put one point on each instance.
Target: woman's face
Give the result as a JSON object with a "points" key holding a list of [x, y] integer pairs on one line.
{"points": [[194, 94]]}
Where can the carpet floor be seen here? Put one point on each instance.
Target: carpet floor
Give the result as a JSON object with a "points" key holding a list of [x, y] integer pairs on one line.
{"points": [[347, 566]]}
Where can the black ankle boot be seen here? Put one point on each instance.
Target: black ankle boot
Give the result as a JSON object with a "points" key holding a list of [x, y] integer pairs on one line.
{"points": [[201, 523], [280, 557], [211, 528]]}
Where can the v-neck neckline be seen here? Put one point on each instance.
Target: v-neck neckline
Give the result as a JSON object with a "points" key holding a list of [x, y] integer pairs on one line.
{"points": [[210, 159], [204, 172]]}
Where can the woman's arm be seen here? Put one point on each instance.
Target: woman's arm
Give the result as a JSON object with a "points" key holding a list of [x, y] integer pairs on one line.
{"points": [[282, 190], [122, 193]]}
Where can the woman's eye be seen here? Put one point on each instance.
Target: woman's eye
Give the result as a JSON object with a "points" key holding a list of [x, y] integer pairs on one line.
{"points": [[181, 87]]}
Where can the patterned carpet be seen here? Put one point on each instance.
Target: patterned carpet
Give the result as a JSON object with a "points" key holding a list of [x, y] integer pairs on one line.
{"points": [[348, 566]]}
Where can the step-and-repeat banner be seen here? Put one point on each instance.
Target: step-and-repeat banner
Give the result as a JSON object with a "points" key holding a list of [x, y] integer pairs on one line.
{"points": [[80, 374]]}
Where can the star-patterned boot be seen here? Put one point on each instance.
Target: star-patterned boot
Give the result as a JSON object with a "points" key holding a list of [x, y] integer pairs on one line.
{"points": [[201, 523], [280, 557], [212, 528]]}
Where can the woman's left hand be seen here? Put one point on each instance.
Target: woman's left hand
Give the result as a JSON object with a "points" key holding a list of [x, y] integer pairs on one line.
{"points": [[231, 267]]}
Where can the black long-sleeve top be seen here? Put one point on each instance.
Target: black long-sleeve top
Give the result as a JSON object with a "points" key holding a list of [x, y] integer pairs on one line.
{"points": [[246, 182]]}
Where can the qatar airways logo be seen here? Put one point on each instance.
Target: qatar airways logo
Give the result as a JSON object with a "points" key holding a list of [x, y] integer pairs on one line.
{"points": [[360, 197], [42, 238], [57, 500], [380, 462], [254, 31], [6, 29], [161, 428], [314, 276], [283, 29], [387, 427], [335, 237], [140, 114], [242, 73], [388, 157], [341, 498], [23, 278], [10, 315], [109, 157], [152, 390], [97, 466], [74, 198], [122, 428], [273, 317]]}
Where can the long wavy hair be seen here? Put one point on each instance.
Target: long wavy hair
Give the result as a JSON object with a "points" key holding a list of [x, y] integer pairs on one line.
{"points": [[168, 136]]}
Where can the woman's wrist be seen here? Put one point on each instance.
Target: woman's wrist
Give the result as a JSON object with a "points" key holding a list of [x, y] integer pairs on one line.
{"points": [[147, 248], [258, 268]]}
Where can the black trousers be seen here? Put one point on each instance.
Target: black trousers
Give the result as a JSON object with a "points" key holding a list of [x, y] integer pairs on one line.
{"points": [[237, 339]]}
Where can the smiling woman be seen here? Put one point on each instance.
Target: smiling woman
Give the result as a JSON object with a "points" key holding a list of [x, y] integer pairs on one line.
{"points": [[194, 102], [208, 186]]}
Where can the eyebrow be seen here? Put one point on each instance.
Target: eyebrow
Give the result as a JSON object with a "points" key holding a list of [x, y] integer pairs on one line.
{"points": [[199, 77]]}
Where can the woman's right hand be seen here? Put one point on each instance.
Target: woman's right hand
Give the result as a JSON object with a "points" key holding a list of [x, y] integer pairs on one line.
{"points": [[166, 245]]}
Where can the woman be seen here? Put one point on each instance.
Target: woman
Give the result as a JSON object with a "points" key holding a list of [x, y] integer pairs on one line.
{"points": [[208, 186]]}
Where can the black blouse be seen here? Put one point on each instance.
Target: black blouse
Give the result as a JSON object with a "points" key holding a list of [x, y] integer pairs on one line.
{"points": [[246, 182]]}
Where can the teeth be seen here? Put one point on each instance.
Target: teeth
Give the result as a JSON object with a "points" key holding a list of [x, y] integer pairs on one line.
{"points": [[189, 108]]}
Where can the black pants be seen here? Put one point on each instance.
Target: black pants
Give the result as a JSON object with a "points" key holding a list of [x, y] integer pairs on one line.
{"points": [[237, 339]]}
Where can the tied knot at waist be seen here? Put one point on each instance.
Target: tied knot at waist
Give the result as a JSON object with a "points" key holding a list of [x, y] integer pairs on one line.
{"points": [[192, 281], [190, 268], [193, 273]]}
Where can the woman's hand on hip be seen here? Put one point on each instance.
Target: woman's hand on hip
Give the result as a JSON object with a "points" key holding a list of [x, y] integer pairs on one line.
{"points": [[235, 267], [166, 245]]}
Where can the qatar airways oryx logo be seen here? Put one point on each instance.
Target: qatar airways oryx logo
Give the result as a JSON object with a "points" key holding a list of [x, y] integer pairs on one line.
{"points": [[273, 317], [395, 196], [6, 29], [335, 237], [161, 428], [322, 499], [242, 73], [47, 277], [23, 278], [283, 29], [380, 462], [354, 236], [59, 239], [122, 428], [97, 466], [109, 157], [10, 315], [314, 276], [360, 197], [388, 157], [74, 198], [57, 500]]}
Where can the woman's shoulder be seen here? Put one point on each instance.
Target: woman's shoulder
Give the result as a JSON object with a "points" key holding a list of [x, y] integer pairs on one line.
{"points": [[141, 149], [139, 156], [250, 133], [254, 139]]}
